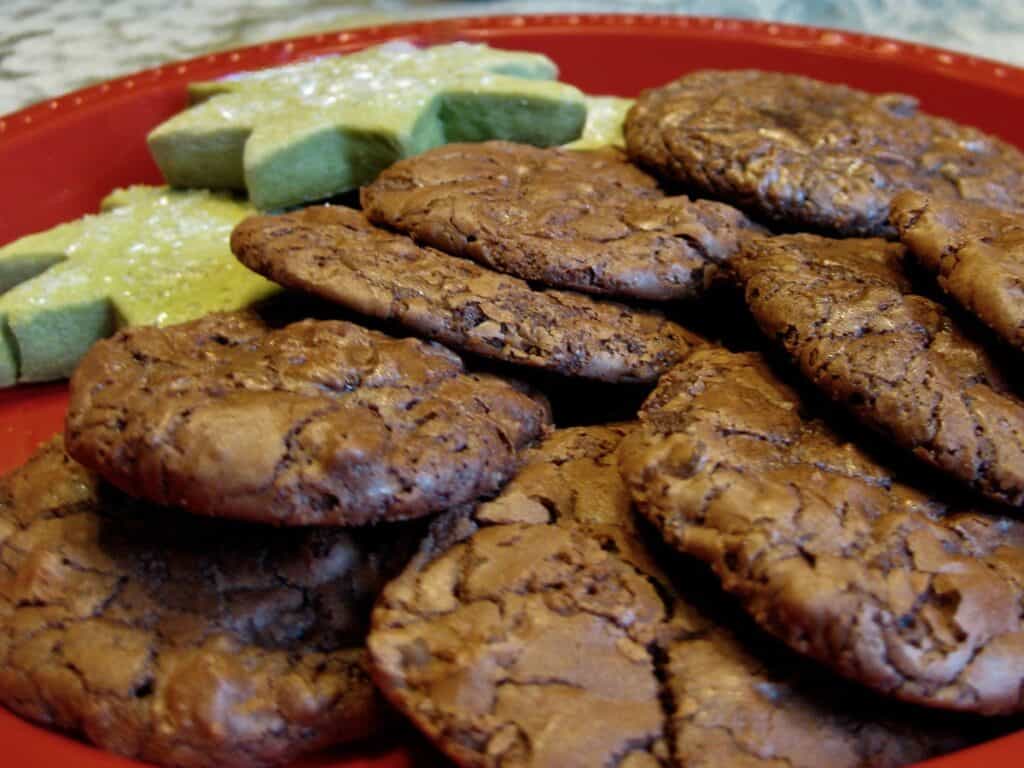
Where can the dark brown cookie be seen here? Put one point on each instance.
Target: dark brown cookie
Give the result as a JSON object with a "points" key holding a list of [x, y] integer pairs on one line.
{"points": [[319, 422], [977, 253], [845, 313], [540, 631], [741, 702], [181, 640], [825, 548], [807, 154], [581, 220], [571, 476], [525, 643], [337, 254]]}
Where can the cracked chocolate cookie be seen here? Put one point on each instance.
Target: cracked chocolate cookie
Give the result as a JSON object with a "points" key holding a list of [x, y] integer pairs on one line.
{"points": [[807, 154], [318, 422], [581, 220], [739, 700], [180, 640], [335, 253], [825, 548], [513, 641], [845, 313], [976, 252], [570, 475], [572, 478], [526, 645], [540, 631]]}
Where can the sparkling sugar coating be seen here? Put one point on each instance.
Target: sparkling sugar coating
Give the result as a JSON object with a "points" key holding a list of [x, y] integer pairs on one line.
{"points": [[605, 116], [151, 256], [317, 128]]}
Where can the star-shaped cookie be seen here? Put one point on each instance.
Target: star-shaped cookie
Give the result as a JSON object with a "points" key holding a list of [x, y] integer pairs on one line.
{"points": [[152, 256], [318, 128]]}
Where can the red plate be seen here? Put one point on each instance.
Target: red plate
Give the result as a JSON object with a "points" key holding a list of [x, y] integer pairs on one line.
{"points": [[59, 158]]}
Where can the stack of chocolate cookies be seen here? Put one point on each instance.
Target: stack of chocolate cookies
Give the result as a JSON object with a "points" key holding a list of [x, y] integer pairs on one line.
{"points": [[803, 549], [152, 597]]}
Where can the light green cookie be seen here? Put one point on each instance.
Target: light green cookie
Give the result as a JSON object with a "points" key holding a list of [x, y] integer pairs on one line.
{"points": [[605, 116], [153, 256], [314, 129]]}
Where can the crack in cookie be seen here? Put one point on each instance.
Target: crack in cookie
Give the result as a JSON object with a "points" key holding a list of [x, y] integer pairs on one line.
{"points": [[825, 548], [847, 315], [585, 221], [335, 253], [319, 422], [182, 640]]}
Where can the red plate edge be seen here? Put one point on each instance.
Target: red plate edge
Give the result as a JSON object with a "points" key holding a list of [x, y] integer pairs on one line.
{"points": [[63, 155]]}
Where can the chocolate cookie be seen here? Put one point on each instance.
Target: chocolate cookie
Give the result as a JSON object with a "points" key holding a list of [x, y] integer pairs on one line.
{"points": [[540, 631], [570, 476], [807, 154], [180, 640], [319, 422], [527, 643], [582, 220], [335, 253], [827, 550], [740, 701], [976, 251], [845, 313]]}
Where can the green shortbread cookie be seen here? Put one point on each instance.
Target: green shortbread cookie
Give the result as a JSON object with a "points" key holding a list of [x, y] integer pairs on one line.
{"points": [[152, 256], [605, 116], [318, 128]]}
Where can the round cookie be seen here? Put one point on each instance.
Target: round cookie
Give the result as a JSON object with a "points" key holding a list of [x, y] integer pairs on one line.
{"points": [[846, 314], [512, 641], [976, 251], [526, 645], [740, 701], [806, 154], [180, 640], [335, 253], [319, 422], [540, 631], [827, 550], [586, 221]]}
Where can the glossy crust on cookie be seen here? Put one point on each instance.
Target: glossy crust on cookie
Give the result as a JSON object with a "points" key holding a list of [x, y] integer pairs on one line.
{"points": [[542, 630], [825, 548], [585, 221], [847, 315], [181, 640], [975, 251], [335, 253], [811, 155], [318, 422]]}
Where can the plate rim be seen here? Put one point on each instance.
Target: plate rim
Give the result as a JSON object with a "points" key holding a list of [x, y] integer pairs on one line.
{"points": [[953, 64]]}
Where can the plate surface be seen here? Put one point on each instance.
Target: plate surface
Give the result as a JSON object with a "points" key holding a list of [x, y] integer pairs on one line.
{"points": [[60, 157]]}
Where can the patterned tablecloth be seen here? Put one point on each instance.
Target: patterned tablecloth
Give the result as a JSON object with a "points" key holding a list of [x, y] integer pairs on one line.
{"points": [[47, 48]]}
